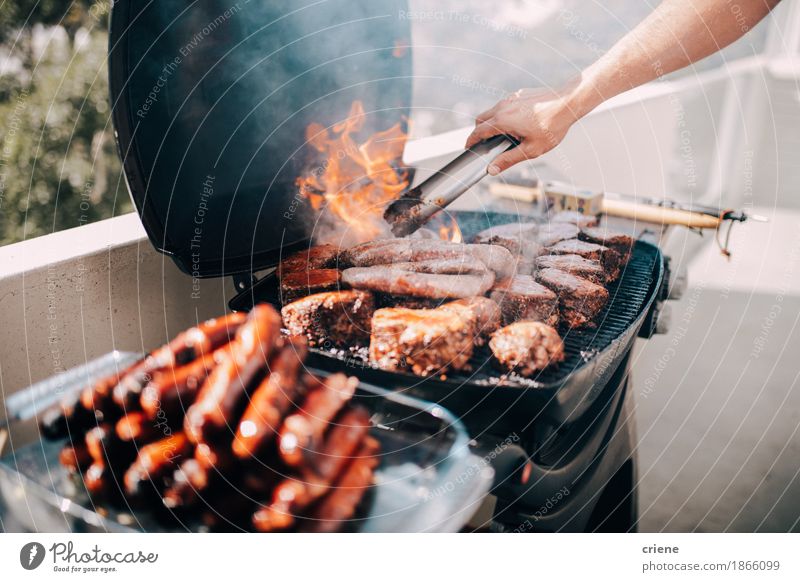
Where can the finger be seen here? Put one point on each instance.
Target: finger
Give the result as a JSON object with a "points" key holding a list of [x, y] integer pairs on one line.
{"points": [[487, 115], [484, 131], [508, 159]]}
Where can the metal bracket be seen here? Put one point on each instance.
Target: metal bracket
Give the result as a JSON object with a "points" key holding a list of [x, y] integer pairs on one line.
{"points": [[244, 281]]}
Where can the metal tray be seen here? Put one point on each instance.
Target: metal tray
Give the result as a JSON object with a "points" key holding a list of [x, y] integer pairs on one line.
{"points": [[427, 480]]}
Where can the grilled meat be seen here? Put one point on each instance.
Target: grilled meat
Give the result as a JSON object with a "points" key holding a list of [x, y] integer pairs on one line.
{"points": [[310, 259], [525, 347], [609, 258], [521, 297], [486, 312], [579, 300], [575, 265], [306, 433], [519, 238], [302, 283], [576, 218], [555, 232], [427, 341], [407, 250], [334, 319], [618, 241], [466, 263], [388, 279]]}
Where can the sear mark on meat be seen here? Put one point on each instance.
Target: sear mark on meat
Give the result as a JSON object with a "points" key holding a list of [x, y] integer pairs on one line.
{"points": [[312, 258], [521, 297], [339, 319], [302, 283], [526, 347], [425, 341], [406, 250], [555, 232], [519, 238], [574, 265], [388, 279], [607, 257], [579, 300], [488, 316], [618, 241]]}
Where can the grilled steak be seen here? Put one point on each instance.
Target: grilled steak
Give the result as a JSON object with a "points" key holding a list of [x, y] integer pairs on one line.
{"points": [[618, 241], [405, 250], [388, 279], [608, 258], [521, 297], [486, 312], [318, 257], [302, 283], [576, 218], [527, 346], [575, 265], [579, 300], [519, 238], [426, 341], [555, 232], [336, 319]]}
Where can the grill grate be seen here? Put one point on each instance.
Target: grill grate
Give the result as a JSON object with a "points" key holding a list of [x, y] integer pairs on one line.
{"points": [[628, 297]]}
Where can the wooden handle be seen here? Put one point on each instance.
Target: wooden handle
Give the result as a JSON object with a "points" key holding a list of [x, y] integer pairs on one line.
{"points": [[622, 208], [658, 214]]}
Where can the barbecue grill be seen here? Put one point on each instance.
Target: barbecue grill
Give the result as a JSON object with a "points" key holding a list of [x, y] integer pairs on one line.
{"points": [[211, 158]]}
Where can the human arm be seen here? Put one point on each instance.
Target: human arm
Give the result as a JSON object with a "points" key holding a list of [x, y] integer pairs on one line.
{"points": [[676, 34]]}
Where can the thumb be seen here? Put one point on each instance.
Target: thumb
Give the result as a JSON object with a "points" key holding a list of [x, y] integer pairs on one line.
{"points": [[508, 159]]}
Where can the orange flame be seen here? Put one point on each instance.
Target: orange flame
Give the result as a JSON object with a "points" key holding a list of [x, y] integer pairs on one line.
{"points": [[451, 232], [356, 181]]}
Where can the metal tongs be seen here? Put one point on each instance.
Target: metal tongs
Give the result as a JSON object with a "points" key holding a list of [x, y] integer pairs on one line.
{"points": [[419, 204]]}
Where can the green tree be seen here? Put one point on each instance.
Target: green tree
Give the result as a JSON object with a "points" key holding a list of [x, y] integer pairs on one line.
{"points": [[58, 164]]}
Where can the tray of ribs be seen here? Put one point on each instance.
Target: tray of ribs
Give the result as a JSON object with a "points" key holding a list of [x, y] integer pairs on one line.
{"points": [[226, 429], [462, 315]]}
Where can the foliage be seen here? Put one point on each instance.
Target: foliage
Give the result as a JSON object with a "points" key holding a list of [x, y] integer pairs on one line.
{"points": [[58, 164]]}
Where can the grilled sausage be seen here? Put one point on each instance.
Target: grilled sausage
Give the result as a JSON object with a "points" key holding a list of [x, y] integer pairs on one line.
{"points": [[100, 398], [155, 461], [173, 390], [189, 481], [289, 498], [222, 394], [271, 400], [135, 427], [75, 458], [341, 503], [105, 447], [304, 430], [341, 442], [98, 480], [186, 347], [65, 418]]}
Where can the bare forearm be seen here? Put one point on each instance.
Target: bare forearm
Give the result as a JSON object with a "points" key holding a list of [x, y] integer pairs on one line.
{"points": [[677, 34]]}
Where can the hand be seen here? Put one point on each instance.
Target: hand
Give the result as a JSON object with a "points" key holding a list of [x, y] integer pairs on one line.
{"points": [[538, 118]]}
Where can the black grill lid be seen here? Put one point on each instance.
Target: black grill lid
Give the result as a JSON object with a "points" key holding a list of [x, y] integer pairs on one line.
{"points": [[210, 103]]}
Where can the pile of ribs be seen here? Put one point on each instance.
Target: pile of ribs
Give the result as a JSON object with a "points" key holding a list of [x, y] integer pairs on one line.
{"points": [[423, 305], [223, 426]]}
